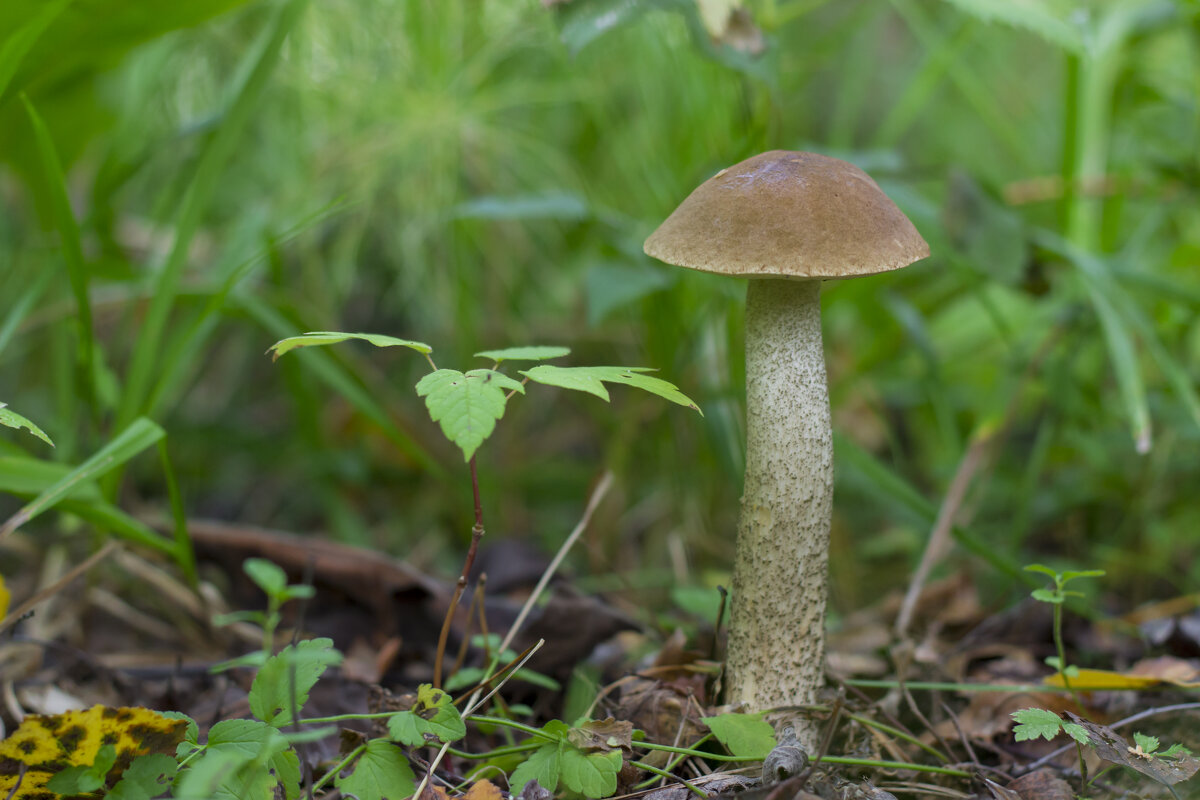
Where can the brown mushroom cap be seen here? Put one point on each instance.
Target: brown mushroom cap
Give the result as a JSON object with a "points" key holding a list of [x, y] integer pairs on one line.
{"points": [[785, 214]]}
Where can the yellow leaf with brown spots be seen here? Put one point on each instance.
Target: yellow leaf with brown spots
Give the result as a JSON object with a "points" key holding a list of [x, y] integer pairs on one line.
{"points": [[44, 745]]}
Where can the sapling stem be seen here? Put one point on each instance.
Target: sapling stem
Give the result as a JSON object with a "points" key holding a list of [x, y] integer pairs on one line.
{"points": [[461, 585]]}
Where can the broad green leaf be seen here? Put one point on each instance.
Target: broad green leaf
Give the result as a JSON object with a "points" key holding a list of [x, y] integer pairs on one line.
{"points": [[1047, 596], [1148, 744], [524, 353], [283, 683], [14, 420], [591, 774], [1033, 723], [592, 379], [1046, 18], [1076, 732], [381, 773], [317, 338], [467, 405], [745, 735], [249, 759], [85, 778], [146, 777], [266, 575], [541, 766]]}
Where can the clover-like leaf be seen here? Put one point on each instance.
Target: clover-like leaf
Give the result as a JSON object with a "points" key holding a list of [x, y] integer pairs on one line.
{"points": [[14, 420], [381, 772], [433, 716], [591, 774], [532, 353], [317, 338], [467, 405], [592, 380]]}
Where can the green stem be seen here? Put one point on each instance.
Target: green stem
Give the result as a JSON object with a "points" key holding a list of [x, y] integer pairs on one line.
{"points": [[499, 751], [341, 765], [696, 790]]}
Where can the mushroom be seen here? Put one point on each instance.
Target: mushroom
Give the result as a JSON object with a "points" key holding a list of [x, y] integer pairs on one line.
{"points": [[786, 220]]}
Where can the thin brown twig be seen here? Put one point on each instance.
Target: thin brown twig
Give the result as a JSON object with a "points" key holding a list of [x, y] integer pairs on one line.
{"points": [[54, 588]]}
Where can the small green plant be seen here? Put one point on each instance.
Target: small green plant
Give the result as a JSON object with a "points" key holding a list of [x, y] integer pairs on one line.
{"points": [[466, 405], [1057, 597], [1168, 766]]}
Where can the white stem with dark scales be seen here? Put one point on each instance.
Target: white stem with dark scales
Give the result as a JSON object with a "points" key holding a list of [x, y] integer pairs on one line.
{"points": [[777, 622]]}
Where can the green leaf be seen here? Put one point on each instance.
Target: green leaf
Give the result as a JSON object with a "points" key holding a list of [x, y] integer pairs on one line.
{"points": [[317, 338], [534, 353], [146, 777], [748, 736], [283, 683], [1047, 596], [1076, 732], [1033, 723], [466, 406], [592, 379], [1175, 751], [433, 716], [266, 575], [591, 774], [381, 773], [14, 420], [541, 766], [1046, 19], [1044, 570], [85, 778], [1071, 575], [244, 758]]}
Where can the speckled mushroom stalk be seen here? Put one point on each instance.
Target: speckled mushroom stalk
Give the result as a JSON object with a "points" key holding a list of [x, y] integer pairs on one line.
{"points": [[777, 619], [785, 221]]}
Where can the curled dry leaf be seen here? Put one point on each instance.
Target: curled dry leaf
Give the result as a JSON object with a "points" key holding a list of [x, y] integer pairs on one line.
{"points": [[1111, 746]]}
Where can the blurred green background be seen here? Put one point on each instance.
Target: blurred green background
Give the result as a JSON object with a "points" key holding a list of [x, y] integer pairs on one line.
{"points": [[477, 174]]}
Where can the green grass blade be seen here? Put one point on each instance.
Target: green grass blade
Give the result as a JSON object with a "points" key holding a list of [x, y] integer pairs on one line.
{"points": [[133, 440], [106, 516], [185, 556], [54, 183], [14, 48], [337, 378], [195, 201], [891, 486]]}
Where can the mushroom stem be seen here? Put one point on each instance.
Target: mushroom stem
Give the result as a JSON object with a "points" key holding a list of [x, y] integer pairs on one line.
{"points": [[777, 623]]}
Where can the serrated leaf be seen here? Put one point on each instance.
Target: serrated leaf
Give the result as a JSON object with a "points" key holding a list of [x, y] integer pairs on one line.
{"points": [[146, 777], [1047, 20], [467, 405], [319, 338], [1036, 723], [1076, 732], [535, 353], [381, 773], [747, 736], [84, 778], [14, 420], [541, 766], [1148, 744], [592, 380], [284, 681], [591, 774]]}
